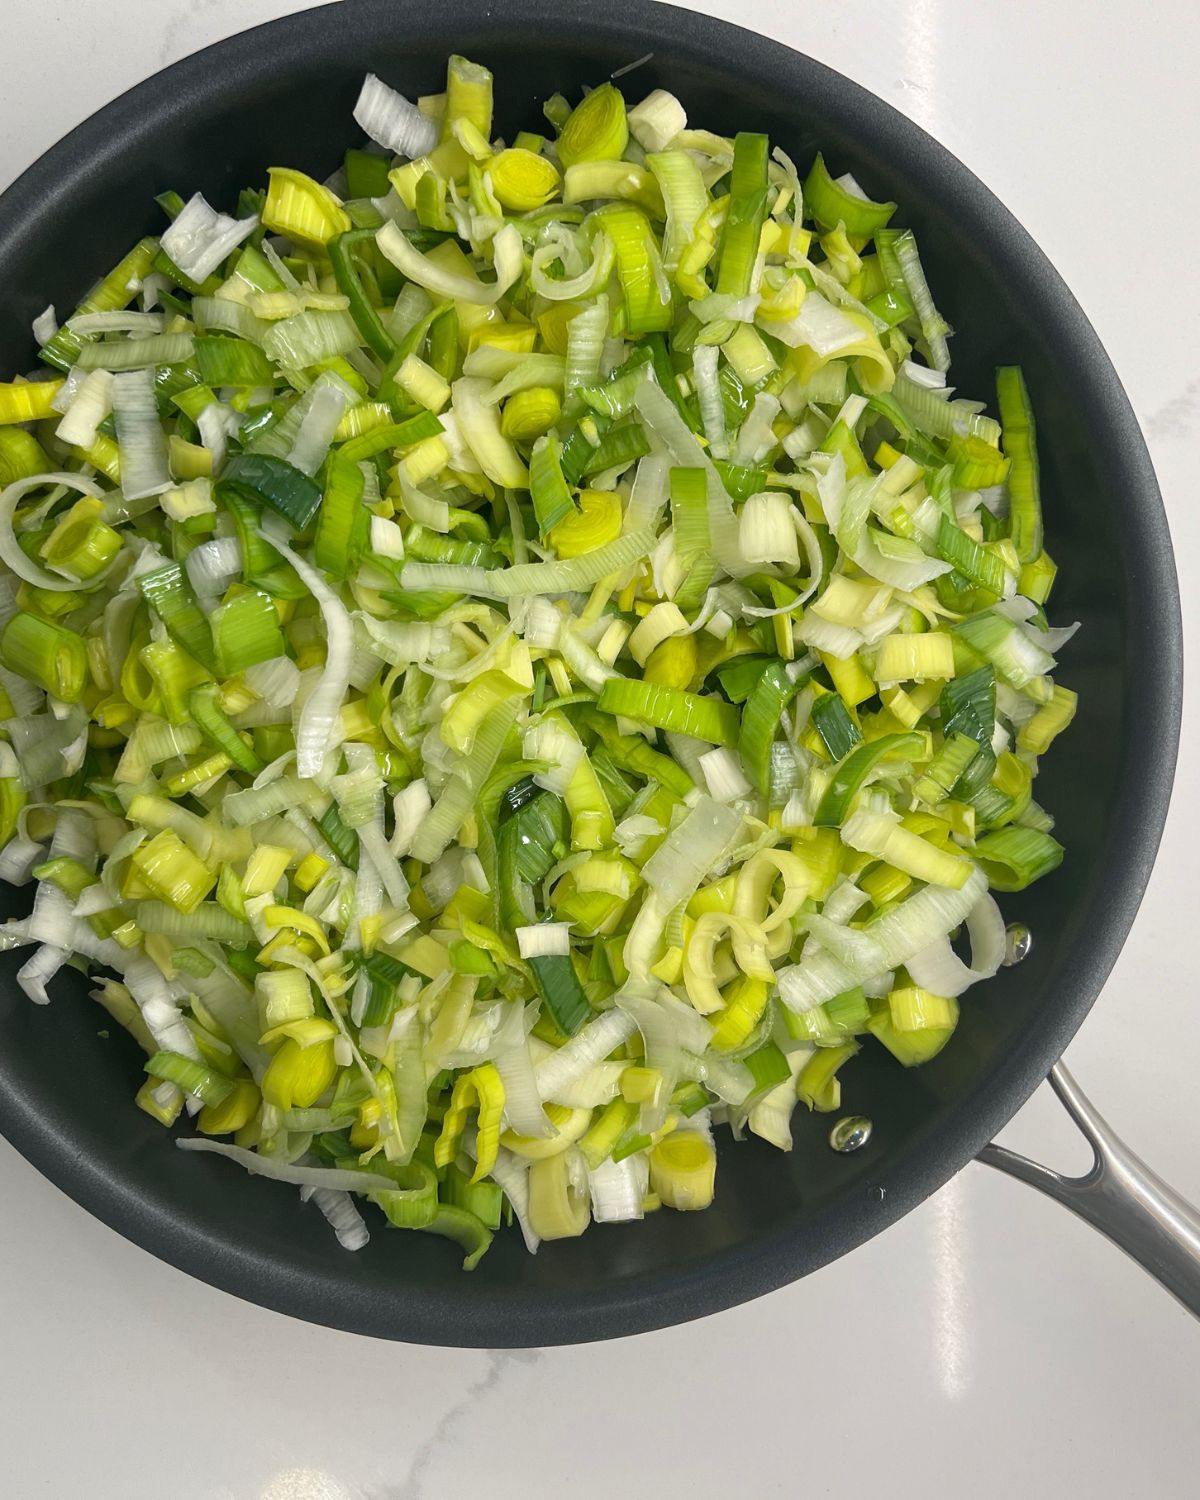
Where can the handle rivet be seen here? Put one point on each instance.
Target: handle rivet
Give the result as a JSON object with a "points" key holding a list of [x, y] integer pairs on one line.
{"points": [[1018, 943], [850, 1132]]}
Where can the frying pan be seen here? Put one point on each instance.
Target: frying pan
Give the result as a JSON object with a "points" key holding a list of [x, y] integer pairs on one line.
{"points": [[283, 93]]}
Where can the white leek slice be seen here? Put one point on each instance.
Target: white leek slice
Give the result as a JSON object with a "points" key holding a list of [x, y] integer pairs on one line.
{"points": [[200, 238], [391, 120], [322, 708], [140, 435], [337, 1178], [508, 254]]}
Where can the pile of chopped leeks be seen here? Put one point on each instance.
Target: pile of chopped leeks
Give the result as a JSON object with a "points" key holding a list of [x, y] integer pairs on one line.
{"points": [[516, 655]]}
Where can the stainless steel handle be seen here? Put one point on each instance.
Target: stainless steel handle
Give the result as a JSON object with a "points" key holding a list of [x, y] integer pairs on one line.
{"points": [[1120, 1196]]}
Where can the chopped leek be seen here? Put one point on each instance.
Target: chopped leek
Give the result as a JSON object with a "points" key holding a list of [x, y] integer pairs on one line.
{"points": [[517, 659]]}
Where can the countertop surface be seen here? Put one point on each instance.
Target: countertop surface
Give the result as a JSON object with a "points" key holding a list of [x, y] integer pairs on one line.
{"points": [[985, 1345]]}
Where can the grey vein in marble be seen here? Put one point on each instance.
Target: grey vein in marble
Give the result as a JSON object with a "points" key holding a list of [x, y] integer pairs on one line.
{"points": [[1175, 418], [498, 1362]]}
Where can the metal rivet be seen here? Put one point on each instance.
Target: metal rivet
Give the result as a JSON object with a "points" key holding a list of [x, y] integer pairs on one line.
{"points": [[850, 1132], [1018, 943]]}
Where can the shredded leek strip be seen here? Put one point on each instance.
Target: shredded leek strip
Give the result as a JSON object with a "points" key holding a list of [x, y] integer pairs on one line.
{"points": [[519, 660]]}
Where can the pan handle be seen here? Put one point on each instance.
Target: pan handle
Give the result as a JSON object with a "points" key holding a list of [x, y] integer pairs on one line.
{"points": [[1120, 1196]]}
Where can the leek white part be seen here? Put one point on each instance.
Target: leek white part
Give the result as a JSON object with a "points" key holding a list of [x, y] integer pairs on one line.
{"points": [[160, 1011], [512, 1173], [708, 393], [551, 740], [73, 379], [44, 326], [730, 1080], [322, 709], [479, 425], [52, 921], [317, 429], [589, 280], [514, 1063], [17, 860], [91, 404], [670, 1028], [140, 435], [84, 942], [724, 776], [657, 120], [766, 532], [217, 424], [433, 514], [120, 321], [392, 120], [816, 978], [617, 1189], [200, 238], [585, 347], [538, 621], [663, 621], [1052, 640], [47, 745], [680, 863], [839, 641], [402, 642], [212, 566], [508, 254], [336, 1178], [411, 806], [340, 1210], [457, 798], [813, 555], [718, 307], [276, 681], [581, 659], [632, 832], [387, 540], [308, 337], [686, 752], [843, 901], [755, 437], [819, 326], [580, 1053], [879, 833], [36, 972], [851, 411], [226, 316], [934, 380], [939, 969], [544, 940], [375, 846], [528, 371], [648, 498], [896, 561]]}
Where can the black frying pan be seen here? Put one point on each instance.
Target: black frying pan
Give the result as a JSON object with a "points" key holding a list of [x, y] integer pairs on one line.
{"points": [[283, 94]]}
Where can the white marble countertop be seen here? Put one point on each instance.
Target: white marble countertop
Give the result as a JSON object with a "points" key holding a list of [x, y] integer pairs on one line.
{"points": [[988, 1344]]}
